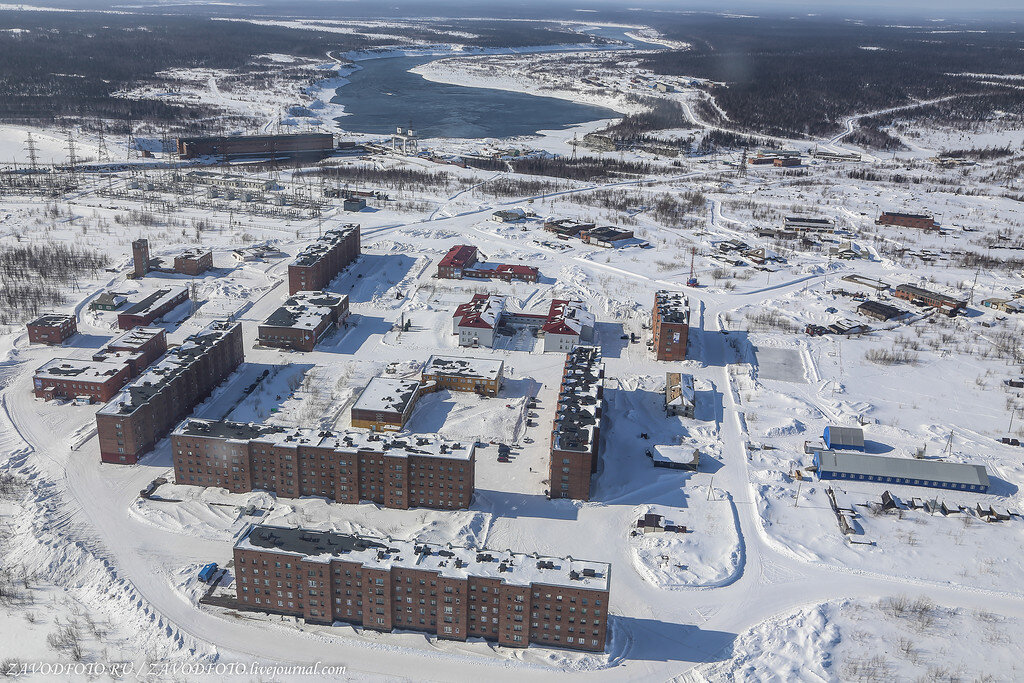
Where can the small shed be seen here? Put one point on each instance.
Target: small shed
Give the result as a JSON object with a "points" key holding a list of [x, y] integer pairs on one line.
{"points": [[354, 204], [843, 438]]}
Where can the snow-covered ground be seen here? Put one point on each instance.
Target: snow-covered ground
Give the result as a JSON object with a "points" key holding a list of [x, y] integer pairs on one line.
{"points": [[762, 586]]}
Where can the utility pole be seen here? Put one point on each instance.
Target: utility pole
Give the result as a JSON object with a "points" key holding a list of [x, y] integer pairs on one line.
{"points": [[796, 501]]}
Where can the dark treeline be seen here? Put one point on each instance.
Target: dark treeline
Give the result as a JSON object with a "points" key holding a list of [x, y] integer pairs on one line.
{"points": [[70, 65], [395, 178], [58, 65], [658, 115], [802, 76], [33, 279], [582, 168]]}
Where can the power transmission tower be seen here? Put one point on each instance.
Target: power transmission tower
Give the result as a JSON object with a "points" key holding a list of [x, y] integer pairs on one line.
{"points": [[743, 163], [30, 147], [72, 157], [101, 147]]}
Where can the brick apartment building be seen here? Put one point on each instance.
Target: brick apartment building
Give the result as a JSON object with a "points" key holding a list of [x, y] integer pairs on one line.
{"points": [[52, 329], [908, 220], [152, 306], [455, 593], [303, 320], [319, 263], [457, 373], [576, 429], [949, 304], [193, 261], [101, 377], [145, 410], [346, 467], [462, 261], [670, 320], [385, 404]]}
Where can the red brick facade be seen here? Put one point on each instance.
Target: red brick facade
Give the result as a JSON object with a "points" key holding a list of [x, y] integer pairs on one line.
{"points": [[908, 220], [391, 596], [670, 321], [52, 329], [313, 465], [146, 410], [320, 262], [193, 262]]}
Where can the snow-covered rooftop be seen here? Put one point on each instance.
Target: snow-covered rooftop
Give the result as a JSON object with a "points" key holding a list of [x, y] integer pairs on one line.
{"points": [[349, 440], [672, 307], [305, 310], [482, 368], [384, 394], [174, 362], [519, 569]]}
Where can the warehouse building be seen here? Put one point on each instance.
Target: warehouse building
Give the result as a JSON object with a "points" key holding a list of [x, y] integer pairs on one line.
{"points": [[52, 329], [576, 429], [908, 220], [905, 471], [385, 404], [193, 261], [417, 470], [453, 592], [670, 320], [606, 236], [303, 320], [457, 373], [804, 224], [943, 302], [843, 438], [145, 410], [152, 306], [564, 228], [879, 310], [319, 263], [301, 144]]}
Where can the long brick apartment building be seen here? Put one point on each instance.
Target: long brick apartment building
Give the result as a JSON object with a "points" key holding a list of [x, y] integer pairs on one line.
{"points": [[452, 592], [303, 319], [145, 410], [576, 429], [346, 467], [319, 263], [109, 369], [670, 321]]}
